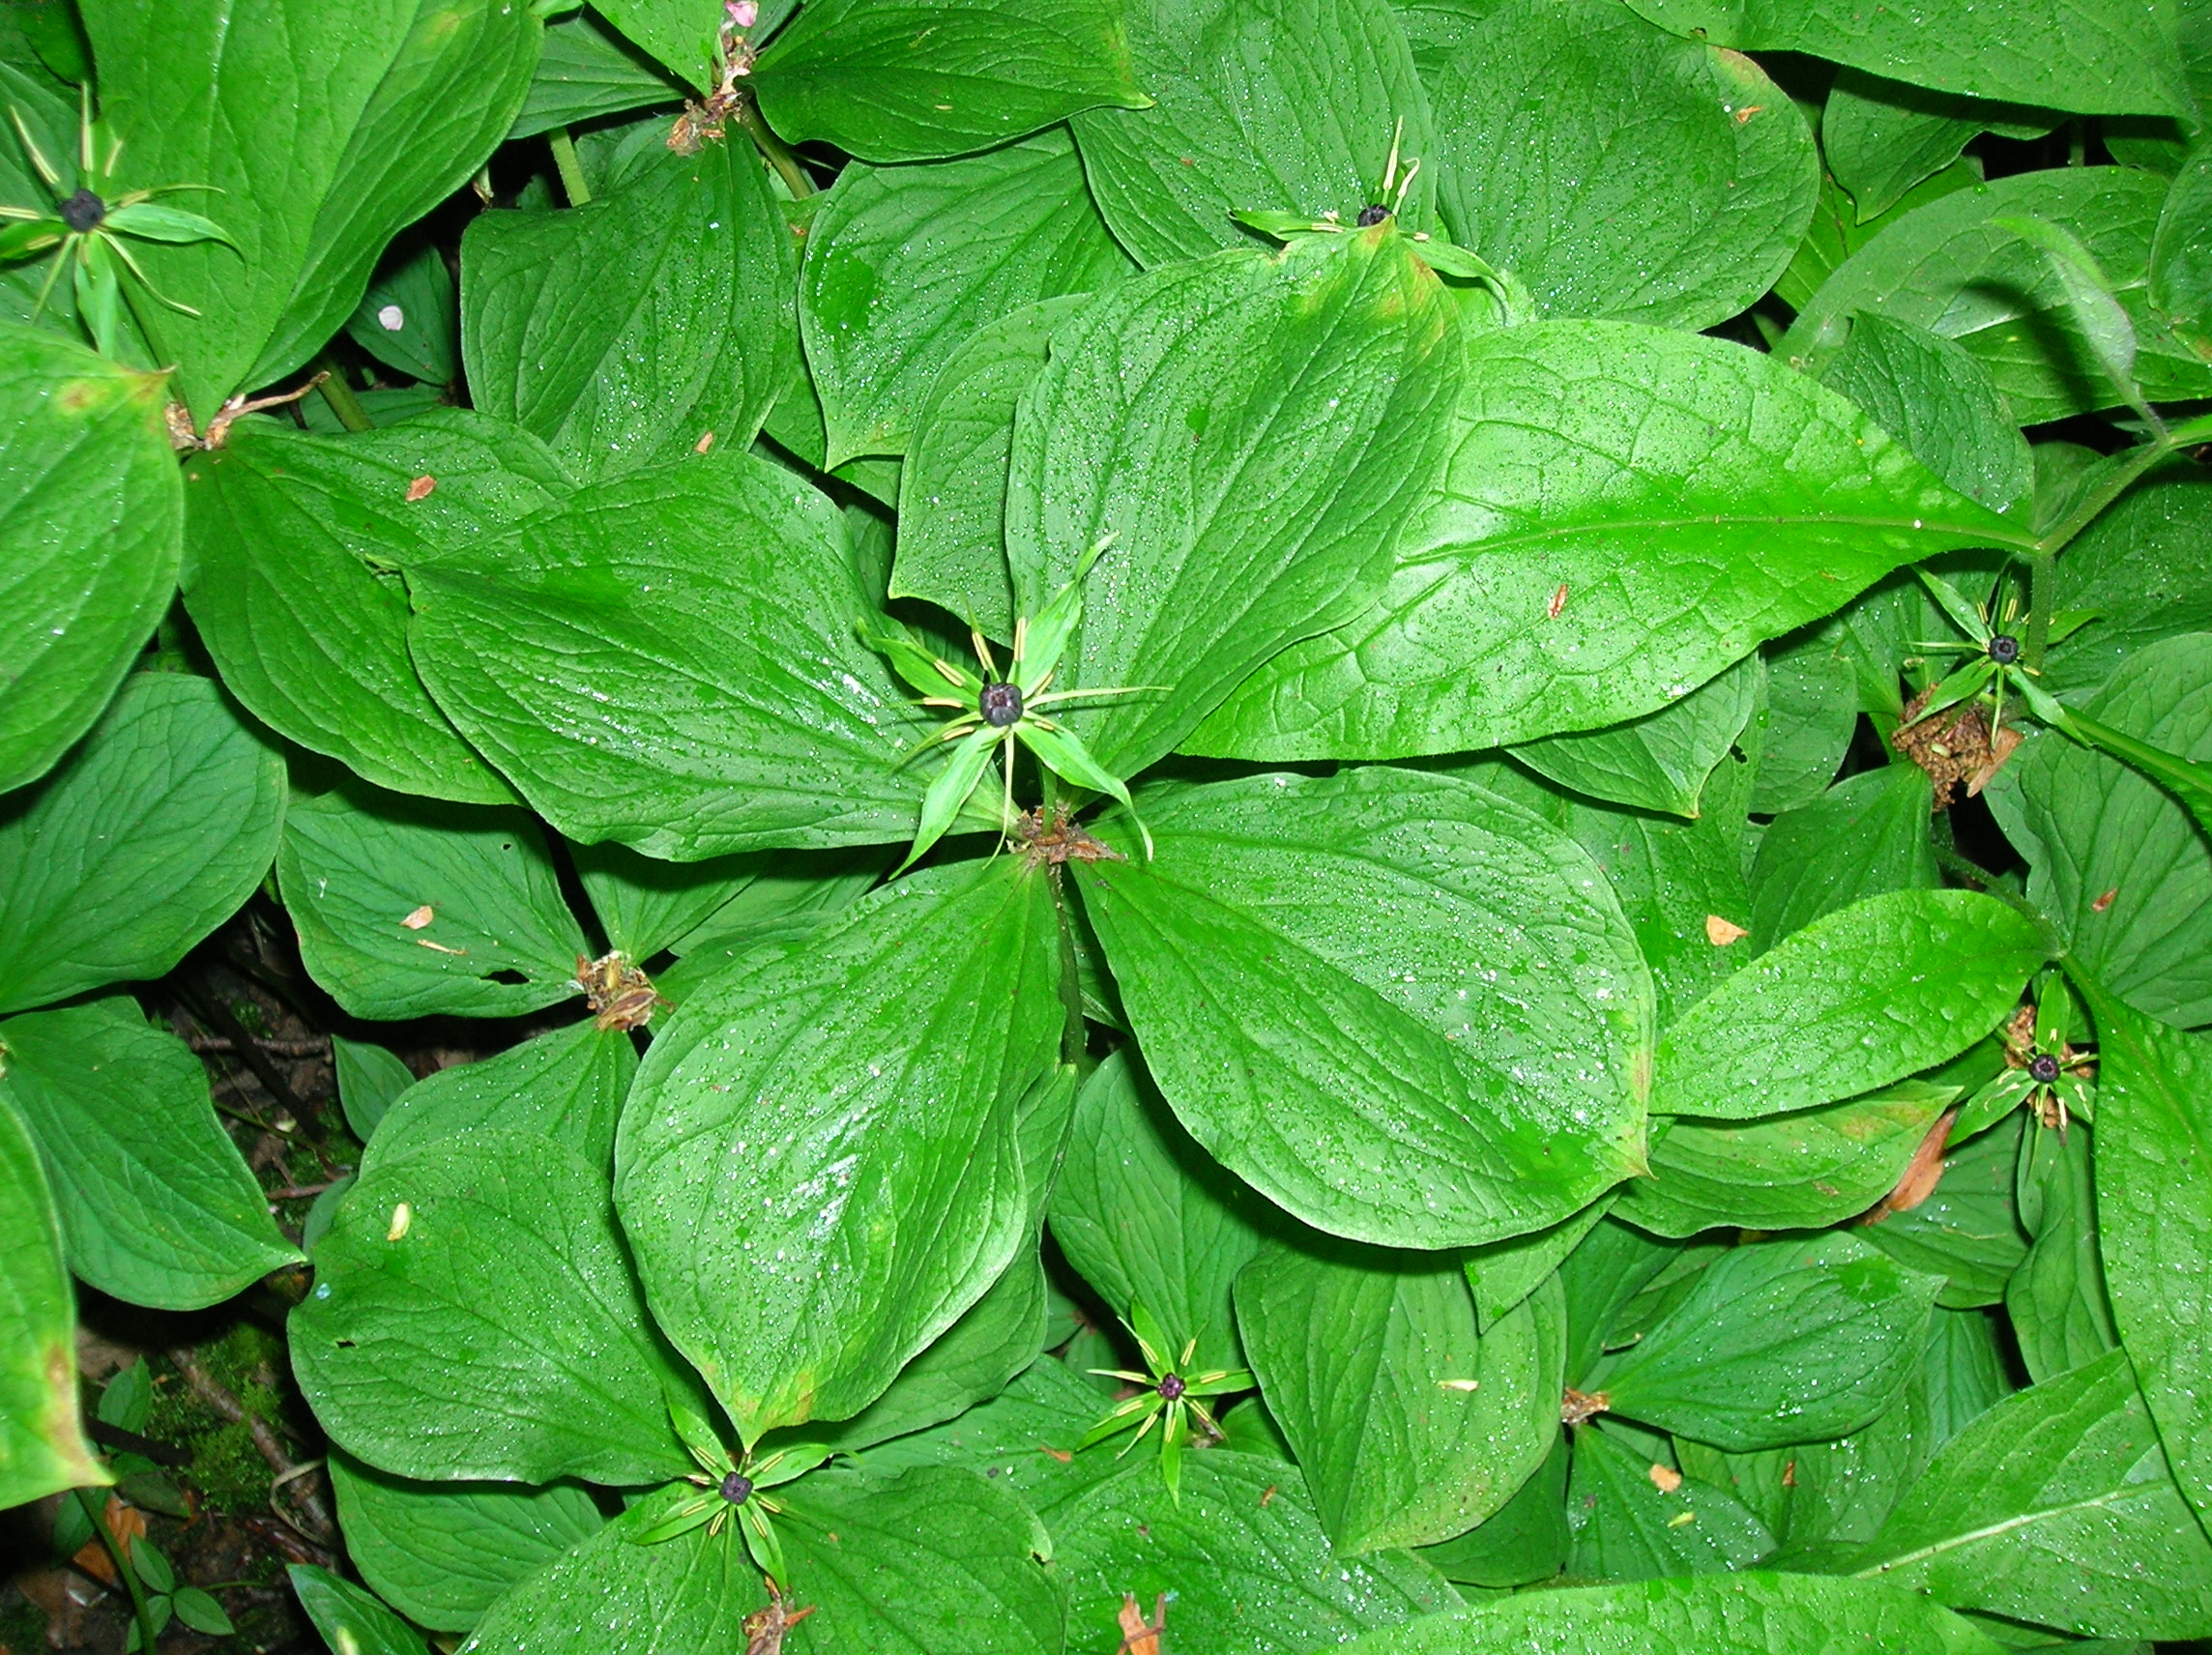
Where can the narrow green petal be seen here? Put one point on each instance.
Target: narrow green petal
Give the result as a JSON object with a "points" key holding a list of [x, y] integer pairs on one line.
{"points": [[156, 224], [924, 672], [1952, 602], [941, 805]]}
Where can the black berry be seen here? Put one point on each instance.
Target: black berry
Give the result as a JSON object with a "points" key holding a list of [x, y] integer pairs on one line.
{"points": [[2004, 649], [83, 211], [1171, 1385], [1372, 216], [737, 1487], [2043, 1069], [1000, 705]]}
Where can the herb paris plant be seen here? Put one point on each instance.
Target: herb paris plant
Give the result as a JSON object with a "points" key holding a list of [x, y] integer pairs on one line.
{"points": [[1497, 1008]]}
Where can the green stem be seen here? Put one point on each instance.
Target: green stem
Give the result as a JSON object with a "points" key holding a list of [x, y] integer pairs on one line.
{"points": [[776, 152], [343, 402], [570, 170], [2042, 580], [139, 1606], [1073, 1037]]}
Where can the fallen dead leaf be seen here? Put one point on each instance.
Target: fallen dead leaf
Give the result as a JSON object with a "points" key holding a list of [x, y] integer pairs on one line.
{"points": [[2103, 902], [1459, 1384], [1719, 933], [1665, 1478], [419, 488], [1268, 1495], [1138, 1636], [703, 444], [426, 942], [1063, 1455], [1557, 603], [1921, 1174], [421, 918]]}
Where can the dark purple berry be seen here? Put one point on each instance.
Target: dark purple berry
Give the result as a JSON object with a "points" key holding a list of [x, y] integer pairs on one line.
{"points": [[737, 1487], [1370, 217], [83, 212], [2004, 649], [2043, 1069], [1170, 1387], [1000, 705]]}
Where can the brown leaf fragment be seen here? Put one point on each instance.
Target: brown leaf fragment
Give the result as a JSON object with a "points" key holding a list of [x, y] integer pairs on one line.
{"points": [[1138, 1636], [764, 1628], [1267, 1496], [2103, 902], [1558, 602], [1719, 933], [1063, 1455], [703, 444], [1574, 1406], [1665, 1478], [1921, 1174], [421, 918], [419, 488], [426, 942]]}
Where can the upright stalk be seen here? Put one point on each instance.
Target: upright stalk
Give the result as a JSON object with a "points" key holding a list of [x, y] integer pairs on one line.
{"points": [[777, 153], [341, 398], [1072, 1037], [566, 163], [139, 1606]]}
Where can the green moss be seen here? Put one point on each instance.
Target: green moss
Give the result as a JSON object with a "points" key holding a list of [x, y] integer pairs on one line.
{"points": [[226, 1468]]}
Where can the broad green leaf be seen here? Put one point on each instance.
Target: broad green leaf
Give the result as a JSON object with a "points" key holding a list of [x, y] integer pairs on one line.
{"points": [[1968, 1230], [1929, 394], [42, 1443], [2056, 1507], [2144, 565], [150, 837], [1792, 1172], [891, 80], [1714, 1615], [1524, 1544], [680, 34], [643, 325], [1950, 268], [2180, 264], [1246, 1572], [1863, 837], [91, 529], [971, 1361], [2056, 1298], [2100, 57], [473, 1315], [1859, 999], [442, 1553], [405, 909], [567, 1085], [1626, 1525], [2114, 858], [586, 70], [1048, 1406], [612, 1596], [952, 489], [1675, 499], [1241, 125], [1147, 1217], [1252, 431], [1658, 762], [1836, 232], [1409, 1427], [324, 128], [1779, 1342], [1965, 1370], [294, 543], [818, 1166], [1881, 137], [1812, 712], [670, 661], [935, 1560], [1609, 1267], [406, 320], [1504, 1273], [646, 906], [1681, 225], [903, 264], [1470, 1072], [2154, 1210], [370, 1079], [157, 1205], [352, 1621]]}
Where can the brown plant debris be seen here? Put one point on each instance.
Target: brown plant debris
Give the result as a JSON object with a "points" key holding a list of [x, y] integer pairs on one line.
{"points": [[618, 993], [1058, 839], [1955, 746], [1574, 1406], [1140, 1637], [764, 1628], [1922, 1174]]}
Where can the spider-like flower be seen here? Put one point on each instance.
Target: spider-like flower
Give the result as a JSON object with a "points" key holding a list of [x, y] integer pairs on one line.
{"points": [[729, 1488], [1993, 650], [996, 712], [1170, 1398], [2043, 1069], [87, 224]]}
